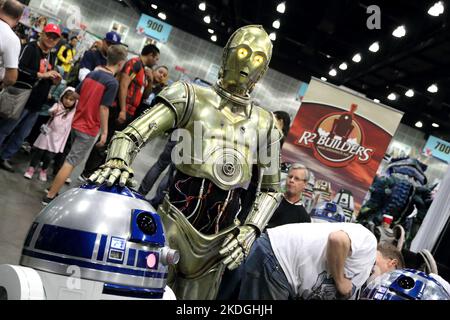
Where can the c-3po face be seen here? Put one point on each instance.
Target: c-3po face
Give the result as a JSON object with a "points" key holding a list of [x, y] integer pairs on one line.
{"points": [[246, 58]]}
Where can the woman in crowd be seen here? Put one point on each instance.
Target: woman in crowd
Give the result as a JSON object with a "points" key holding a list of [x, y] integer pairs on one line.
{"points": [[159, 77]]}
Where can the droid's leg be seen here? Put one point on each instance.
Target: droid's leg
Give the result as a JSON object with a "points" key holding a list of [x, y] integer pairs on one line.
{"points": [[20, 283]]}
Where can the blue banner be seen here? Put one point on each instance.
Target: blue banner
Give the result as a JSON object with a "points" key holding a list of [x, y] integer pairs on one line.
{"points": [[438, 148], [154, 28]]}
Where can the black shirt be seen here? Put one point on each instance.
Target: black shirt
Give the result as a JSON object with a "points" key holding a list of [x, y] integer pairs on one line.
{"points": [[288, 213], [32, 61], [92, 59]]}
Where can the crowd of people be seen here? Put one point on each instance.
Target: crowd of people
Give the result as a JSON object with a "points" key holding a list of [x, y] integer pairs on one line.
{"points": [[69, 111], [62, 105]]}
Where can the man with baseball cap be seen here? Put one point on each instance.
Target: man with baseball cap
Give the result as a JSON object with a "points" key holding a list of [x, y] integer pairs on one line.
{"points": [[37, 69], [97, 57]]}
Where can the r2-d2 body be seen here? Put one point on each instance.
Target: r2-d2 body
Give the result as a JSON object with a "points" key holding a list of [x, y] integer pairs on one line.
{"points": [[93, 243]]}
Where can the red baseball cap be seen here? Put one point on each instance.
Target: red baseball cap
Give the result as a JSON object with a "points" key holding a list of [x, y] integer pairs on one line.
{"points": [[52, 28]]}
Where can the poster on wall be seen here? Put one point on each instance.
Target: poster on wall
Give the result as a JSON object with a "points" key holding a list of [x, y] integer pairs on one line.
{"points": [[342, 138], [51, 6], [120, 28]]}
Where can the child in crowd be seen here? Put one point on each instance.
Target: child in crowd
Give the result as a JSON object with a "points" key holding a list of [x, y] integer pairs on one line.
{"points": [[97, 93], [54, 134]]}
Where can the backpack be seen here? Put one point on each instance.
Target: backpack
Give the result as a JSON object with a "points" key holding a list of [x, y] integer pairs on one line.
{"points": [[72, 78]]}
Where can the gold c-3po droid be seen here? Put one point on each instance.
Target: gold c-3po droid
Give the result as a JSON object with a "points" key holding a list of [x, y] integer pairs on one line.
{"points": [[228, 133]]}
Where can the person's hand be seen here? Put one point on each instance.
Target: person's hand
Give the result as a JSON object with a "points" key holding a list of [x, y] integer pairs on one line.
{"points": [[122, 117], [149, 74], [102, 141], [344, 287], [237, 247], [114, 171]]}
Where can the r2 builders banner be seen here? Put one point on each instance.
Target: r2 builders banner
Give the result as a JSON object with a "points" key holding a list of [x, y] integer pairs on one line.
{"points": [[342, 138]]}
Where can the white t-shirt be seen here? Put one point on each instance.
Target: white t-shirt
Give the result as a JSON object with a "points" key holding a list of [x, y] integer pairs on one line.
{"points": [[301, 250], [9, 49]]}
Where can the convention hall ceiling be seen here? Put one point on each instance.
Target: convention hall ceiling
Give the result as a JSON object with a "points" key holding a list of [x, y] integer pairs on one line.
{"points": [[315, 37]]}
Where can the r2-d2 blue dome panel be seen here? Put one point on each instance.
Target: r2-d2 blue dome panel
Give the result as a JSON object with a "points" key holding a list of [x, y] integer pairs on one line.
{"points": [[111, 234], [405, 284], [328, 212]]}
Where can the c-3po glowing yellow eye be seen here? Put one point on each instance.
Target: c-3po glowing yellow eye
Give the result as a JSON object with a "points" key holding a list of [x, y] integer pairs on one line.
{"points": [[242, 53], [258, 59]]}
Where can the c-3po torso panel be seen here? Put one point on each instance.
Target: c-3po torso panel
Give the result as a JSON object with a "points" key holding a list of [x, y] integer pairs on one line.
{"points": [[220, 141]]}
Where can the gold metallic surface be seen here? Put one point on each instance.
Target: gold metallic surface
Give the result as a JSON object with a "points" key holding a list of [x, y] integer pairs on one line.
{"points": [[200, 268], [226, 131]]}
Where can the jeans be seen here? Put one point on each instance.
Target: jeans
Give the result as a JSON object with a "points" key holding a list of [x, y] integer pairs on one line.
{"points": [[163, 186], [262, 277], [17, 130], [165, 158]]}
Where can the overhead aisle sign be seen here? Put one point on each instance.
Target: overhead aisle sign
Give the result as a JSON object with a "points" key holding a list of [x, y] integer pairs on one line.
{"points": [[154, 28], [438, 148]]}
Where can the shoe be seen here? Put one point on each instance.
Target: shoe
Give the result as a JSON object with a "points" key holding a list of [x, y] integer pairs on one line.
{"points": [[43, 175], [46, 200], [6, 165], [68, 181], [82, 178], [29, 173]]}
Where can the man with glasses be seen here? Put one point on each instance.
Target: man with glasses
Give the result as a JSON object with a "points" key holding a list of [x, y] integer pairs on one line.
{"points": [[36, 70], [291, 209], [97, 57]]}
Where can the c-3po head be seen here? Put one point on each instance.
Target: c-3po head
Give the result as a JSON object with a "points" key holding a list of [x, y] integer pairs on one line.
{"points": [[245, 60]]}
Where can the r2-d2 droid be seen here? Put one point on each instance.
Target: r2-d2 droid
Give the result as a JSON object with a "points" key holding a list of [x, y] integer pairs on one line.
{"points": [[93, 243], [327, 212], [406, 284]]}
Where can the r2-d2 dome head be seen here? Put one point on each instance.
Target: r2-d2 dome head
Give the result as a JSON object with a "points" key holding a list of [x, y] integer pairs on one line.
{"points": [[327, 212], [405, 284]]}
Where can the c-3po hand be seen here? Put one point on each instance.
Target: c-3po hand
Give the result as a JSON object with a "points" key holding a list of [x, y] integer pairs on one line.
{"points": [[114, 171], [236, 248]]}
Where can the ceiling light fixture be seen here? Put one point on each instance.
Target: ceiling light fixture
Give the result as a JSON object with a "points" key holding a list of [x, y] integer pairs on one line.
{"points": [[433, 88], [419, 124], [376, 100], [162, 16], [343, 66], [276, 24], [281, 8], [357, 58], [202, 6], [323, 78], [437, 9], [211, 31], [207, 19], [154, 6], [374, 47], [214, 38], [409, 93], [332, 72], [392, 96], [399, 32], [435, 125], [273, 36]]}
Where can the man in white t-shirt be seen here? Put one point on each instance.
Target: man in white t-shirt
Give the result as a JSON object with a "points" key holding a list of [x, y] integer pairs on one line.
{"points": [[10, 14], [314, 261]]}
